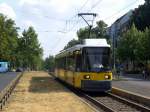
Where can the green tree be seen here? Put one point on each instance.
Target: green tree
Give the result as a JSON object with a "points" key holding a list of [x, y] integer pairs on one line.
{"points": [[145, 44], [139, 48], [143, 48], [72, 43], [97, 32], [141, 16], [134, 46], [8, 39], [49, 63], [29, 50], [83, 33], [100, 30], [127, 45]]}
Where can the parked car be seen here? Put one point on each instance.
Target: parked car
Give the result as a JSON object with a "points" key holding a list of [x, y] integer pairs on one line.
{"points": [[19, 70]]}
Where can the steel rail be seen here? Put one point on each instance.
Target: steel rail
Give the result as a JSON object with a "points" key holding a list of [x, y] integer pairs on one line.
{"points": [[85, 97], [96, 102], [106, 108], [102, 105], [129, 102]]}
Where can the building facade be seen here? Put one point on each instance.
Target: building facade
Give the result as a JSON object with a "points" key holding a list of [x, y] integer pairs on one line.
{"points": [[119, 26], [116, 29]]}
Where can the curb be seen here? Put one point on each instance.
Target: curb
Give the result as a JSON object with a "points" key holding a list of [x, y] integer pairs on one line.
{"points": [[5, 94], [132, 96]]}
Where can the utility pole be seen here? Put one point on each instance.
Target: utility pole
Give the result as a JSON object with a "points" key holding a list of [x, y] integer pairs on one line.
{"points": [[114, 61], [113, 49], [89, 25]]}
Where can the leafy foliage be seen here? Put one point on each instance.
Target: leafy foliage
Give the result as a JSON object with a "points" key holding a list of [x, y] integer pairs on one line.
{"points": [[134, 45], [49, 63], [20, 52], [100, 30], [146, 44], [83, 33], [127, 44], [71, 43], [97, 32], [29, 51], [8, 39], [141, 16]]}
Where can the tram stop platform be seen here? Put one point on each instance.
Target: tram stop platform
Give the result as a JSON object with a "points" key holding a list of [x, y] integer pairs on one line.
{"points": [[133, 83], [40, 92]]}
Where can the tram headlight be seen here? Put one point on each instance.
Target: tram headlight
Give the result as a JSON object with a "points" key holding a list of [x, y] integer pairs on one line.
{"points": [[107, 77], [86, 76]]}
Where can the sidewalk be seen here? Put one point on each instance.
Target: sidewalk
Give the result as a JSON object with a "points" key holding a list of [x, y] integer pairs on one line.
{"points": [[39, 92], [133, 84]]}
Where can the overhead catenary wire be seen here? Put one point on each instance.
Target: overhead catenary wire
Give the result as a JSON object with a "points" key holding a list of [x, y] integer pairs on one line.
{"points": [[83, 5], [95, 5], [72, 22], [77, 21], [110, 17], [68, 21], [92, 7], [76, 15]]}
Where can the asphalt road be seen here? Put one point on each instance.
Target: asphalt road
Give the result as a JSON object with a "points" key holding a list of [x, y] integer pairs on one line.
{"points": [[135, 85], [6, 78]]}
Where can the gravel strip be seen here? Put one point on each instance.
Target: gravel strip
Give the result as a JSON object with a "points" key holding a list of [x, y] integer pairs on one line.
{"points": [[116, 105], [38, 92]]}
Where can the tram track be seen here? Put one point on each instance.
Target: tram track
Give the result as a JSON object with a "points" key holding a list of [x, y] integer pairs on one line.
{"points": [[6, 92], [112, 103], [109, 102], [119, 104], [140, 99]]}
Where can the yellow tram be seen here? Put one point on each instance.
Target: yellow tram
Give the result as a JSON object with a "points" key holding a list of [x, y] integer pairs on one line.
{"points": [[86, 66]]}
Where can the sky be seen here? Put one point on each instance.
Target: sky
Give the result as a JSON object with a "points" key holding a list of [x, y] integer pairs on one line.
{"points": [[56, 21]]}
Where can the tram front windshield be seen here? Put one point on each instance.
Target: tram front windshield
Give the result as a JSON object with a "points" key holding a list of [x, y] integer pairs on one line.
{"points": [[96, 59]]}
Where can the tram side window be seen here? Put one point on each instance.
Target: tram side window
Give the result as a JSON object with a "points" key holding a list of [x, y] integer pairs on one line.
{"points": [[78, 63], [64, 63], [60, 63], [71, 63], [56, 63]]}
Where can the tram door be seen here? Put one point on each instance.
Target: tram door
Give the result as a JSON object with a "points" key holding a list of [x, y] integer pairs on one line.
{"points": [[78, 67]]}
